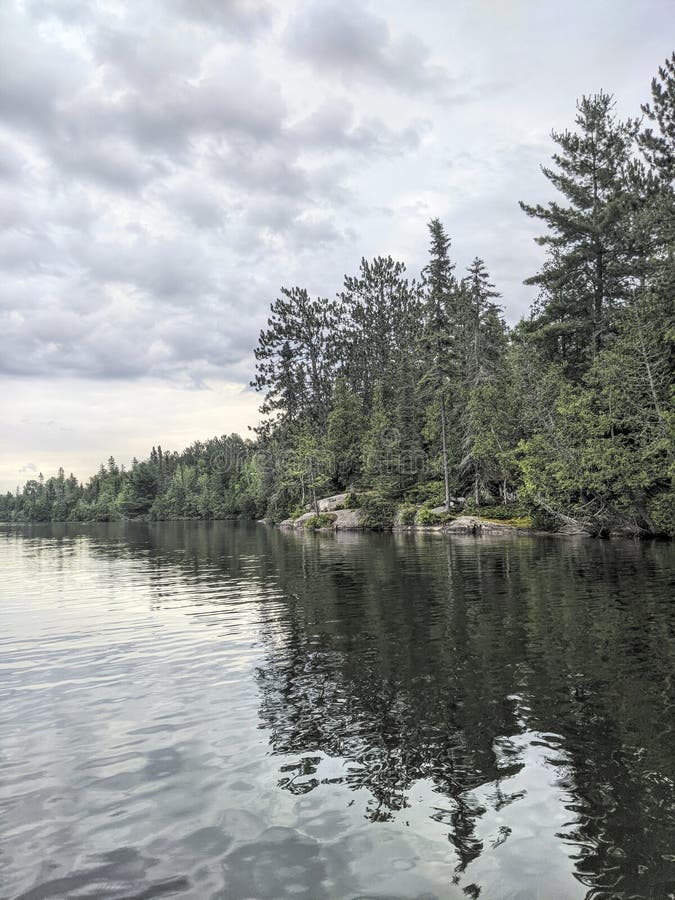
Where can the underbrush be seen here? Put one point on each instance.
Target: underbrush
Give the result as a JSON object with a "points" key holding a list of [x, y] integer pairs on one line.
{"points": [[320, 520], [377, 513], [429, 517]]}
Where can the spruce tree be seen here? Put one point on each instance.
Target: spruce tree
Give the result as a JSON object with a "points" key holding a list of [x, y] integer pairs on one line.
{"points": [[483, 353], [439, 336]]}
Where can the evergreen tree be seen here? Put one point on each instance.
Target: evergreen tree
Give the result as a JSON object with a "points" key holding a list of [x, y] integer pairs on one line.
{"points": [[380, 315], [659, 147], [440, 336], [295, 356], [586, 275], [484, 349], [380, 447], [345, 434]]}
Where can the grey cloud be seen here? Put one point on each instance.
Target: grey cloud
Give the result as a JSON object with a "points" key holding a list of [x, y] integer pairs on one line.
{"points": [[196, 200], [110, 161], [71, 12], [267, 170], [35, 74], [159, 183], [332, 126], [168, 119], [241, 17], [174, 270], [346, 38], [11, 161]]}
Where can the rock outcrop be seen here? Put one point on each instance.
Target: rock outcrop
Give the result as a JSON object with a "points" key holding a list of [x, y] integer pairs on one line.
{"points": [[474, 525], [343, 520], [330, 504]]}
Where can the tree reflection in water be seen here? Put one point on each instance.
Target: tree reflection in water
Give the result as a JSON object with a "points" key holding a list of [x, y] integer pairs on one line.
{"points": [[444, 661], [520, 693]]}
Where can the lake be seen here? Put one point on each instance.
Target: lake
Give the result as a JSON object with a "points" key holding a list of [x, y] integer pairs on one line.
{"points": [[209, 710]]}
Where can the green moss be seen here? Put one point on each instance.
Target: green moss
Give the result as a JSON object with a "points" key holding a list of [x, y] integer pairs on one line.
{"points": [[516, 521]]}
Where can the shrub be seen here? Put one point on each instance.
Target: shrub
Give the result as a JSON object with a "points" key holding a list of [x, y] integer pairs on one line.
{"points": [[377, 512], [320, 520], [543, 521], [428, 493], [662, 512], [406, 515], [352, 501], [429, 517]]}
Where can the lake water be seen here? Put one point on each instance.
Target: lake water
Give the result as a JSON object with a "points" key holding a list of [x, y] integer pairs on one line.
{"points": [[217, 710]]}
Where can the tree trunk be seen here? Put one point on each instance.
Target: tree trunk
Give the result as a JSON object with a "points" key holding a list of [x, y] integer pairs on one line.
{"points": [[446, 474]]}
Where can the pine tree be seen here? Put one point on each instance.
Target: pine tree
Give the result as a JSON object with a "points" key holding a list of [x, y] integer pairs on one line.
{"points": [[380, 313], [586, 275], [439, 337], [295, 356], [659, 148]]}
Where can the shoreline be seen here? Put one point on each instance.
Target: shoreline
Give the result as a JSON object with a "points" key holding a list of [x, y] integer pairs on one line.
{"points": [[478, 528]]}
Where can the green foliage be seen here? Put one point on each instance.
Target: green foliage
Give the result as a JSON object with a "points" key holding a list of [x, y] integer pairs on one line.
{"points": [[352, 501], [407, 515], [344, 437], [585, 276], [377, 512], [429, 517], [427, 493], [320, 520]]}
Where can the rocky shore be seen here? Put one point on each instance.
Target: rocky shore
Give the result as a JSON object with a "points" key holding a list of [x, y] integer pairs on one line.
{"points": [[333, 516]]}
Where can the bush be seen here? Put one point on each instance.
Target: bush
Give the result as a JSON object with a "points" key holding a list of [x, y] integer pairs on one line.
{"points": [[428, 493], [320, 520], [544, 521], [353, 501], [429, 517], [662, 512], [406, 515], [378, 513]]}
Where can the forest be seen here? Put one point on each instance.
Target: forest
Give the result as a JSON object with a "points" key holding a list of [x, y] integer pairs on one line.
{"points": [[414, 397]]}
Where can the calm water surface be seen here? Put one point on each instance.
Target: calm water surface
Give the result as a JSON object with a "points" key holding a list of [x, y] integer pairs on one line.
{"points": [[214, 710]]}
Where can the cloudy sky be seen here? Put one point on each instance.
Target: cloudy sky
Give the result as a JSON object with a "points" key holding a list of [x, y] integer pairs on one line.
{"points": [[166, 165]]}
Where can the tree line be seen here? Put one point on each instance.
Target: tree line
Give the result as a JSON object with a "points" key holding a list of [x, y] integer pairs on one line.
{"points": [[412, 393]]}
